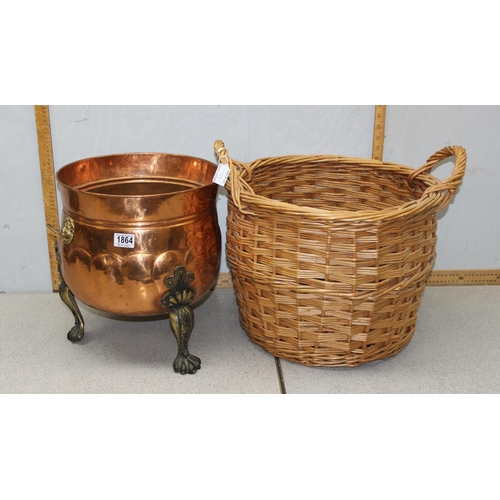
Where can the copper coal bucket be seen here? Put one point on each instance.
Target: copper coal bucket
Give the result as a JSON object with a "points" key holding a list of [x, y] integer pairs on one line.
{"points": [[140, 237]]}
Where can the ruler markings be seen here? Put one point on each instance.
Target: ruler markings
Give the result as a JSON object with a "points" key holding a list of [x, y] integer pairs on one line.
{"points": [[379, 132], [469, 277], [465, 277], [46, 159]]}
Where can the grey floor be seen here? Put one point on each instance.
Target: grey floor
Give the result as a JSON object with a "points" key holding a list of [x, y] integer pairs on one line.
{"points": [[455, 350]]}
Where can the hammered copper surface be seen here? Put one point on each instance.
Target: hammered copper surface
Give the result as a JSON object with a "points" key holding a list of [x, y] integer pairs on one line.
{"points": [[167, 202]]}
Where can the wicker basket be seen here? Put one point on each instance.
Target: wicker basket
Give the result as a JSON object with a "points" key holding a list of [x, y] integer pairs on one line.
{"points": [[329, 255]]}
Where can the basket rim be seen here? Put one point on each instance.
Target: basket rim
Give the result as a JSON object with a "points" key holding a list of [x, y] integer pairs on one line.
{"points": [[436, 197], [250, 201]]}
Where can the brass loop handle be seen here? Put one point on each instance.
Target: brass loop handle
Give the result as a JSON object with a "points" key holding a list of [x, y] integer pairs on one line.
{"points": [[451, 184], [68, 230]]}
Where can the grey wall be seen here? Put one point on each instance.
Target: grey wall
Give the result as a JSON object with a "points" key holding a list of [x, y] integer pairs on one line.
{"points": [[24, 258], [468, 232], [469, 229]]}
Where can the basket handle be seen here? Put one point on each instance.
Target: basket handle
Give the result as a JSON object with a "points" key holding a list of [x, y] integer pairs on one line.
{"points": [[451, 184], [235, 184]]}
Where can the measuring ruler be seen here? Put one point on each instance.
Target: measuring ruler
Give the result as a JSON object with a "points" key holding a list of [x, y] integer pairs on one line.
{"points": [[378, 133], [46, 156], [472, 277], [465, 277]]}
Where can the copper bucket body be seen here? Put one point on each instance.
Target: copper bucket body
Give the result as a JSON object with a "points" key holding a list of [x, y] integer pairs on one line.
{"points": [[133, 221], [165, 204]]}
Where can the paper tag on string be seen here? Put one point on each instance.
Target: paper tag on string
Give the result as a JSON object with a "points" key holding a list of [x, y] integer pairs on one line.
{"points": [[221, 174]]}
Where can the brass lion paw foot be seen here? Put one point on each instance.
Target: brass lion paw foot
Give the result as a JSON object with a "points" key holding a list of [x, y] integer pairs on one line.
{"points": [[187, 363], [181, 317], [76, 333]]}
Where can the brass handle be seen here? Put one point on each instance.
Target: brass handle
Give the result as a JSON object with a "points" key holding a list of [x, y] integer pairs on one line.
{"points": [[68, 230]]}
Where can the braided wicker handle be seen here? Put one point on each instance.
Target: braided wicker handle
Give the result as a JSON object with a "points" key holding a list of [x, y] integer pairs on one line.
{"points": [[221, 151], [234, 184], [451, 184]]}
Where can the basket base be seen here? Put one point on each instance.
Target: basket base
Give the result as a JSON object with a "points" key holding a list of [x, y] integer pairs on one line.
{"points": [[333, 360]]}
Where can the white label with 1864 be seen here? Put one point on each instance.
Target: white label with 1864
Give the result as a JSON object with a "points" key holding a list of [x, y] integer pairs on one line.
{"points": [[124, 240]]}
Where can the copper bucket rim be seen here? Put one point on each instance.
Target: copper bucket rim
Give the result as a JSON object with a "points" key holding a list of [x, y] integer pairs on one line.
{"points": [[194, 187]]}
